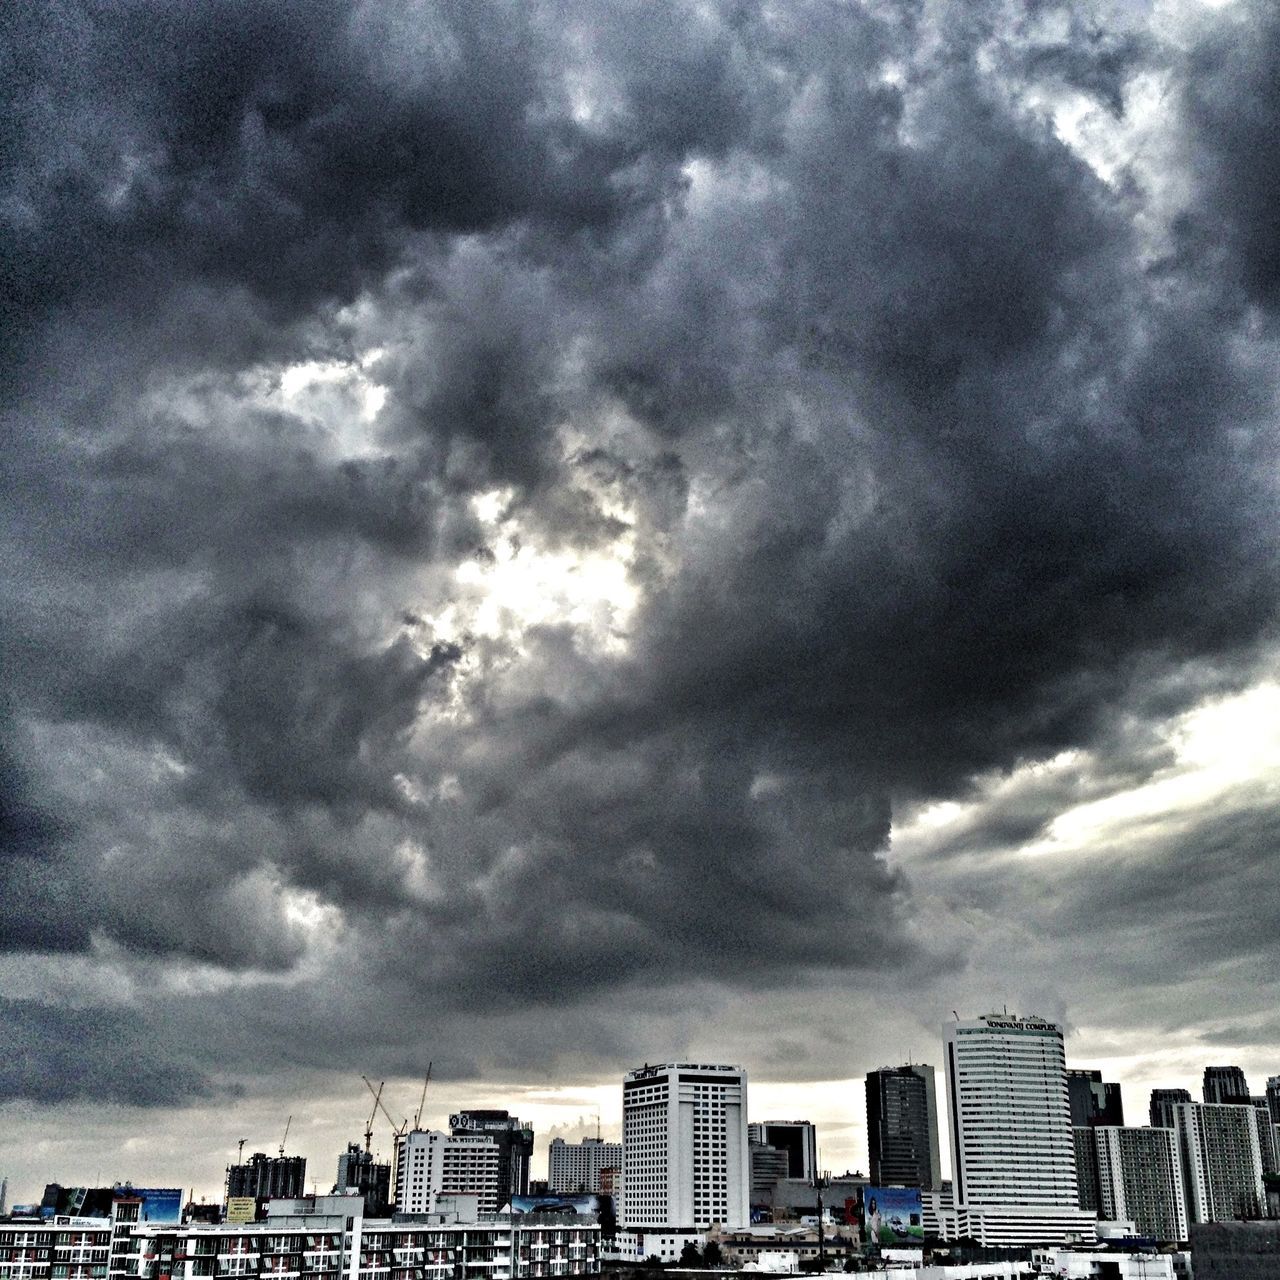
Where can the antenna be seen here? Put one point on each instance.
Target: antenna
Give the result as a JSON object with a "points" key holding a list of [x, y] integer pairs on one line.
{"points": [[368, 1129], [422, 1102], [283, 1140]]}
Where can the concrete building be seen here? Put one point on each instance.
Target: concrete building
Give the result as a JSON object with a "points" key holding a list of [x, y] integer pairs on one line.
{"points": [[359, 1172], [1236, 1250], [684, 1138], [902, 1127], [263, 1177], [1221, 1160], [577, 1166], [1012, 1155], [798, 1138], [1138, 1179], [1093, 1100], [768, 1168], [430, 1164], [1225, 1084], [1163, 1102], [514, 1141], [1273, 1098]]}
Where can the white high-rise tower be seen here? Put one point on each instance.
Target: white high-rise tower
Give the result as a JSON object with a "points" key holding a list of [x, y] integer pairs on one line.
{"points": [[684, 1146], [1012, 1159]]}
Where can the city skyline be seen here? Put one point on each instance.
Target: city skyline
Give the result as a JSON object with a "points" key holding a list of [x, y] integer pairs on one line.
{"points": [[536, 537]]}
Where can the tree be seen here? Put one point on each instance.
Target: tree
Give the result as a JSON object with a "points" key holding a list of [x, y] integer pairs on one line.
{"points": [[712, 1255], [689, 1255], [653, 1262]]}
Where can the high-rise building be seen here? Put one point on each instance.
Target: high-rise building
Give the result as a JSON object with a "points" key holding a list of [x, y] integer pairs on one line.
{"points": [[768, 1168], [1012, 1155], [1093, 1100], [266, 1177], [1134, 1175], [1221, 1160], [1088, 1184], [1266, 1136], [684, 1140], [902, 1127], [515, 1146], [1273, 1098], [797, 1138], [430, 1164], [1225, 1084], [1163, 1102], [358, 1171], [577, 1166]]}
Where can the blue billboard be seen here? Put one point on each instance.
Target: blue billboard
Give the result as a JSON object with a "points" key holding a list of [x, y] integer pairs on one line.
{"points": [[159, 1204], [892, 1215], [554, 1203]]}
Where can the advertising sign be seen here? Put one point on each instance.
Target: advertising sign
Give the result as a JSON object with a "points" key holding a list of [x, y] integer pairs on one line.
{"points": [[892, 1215], [241, 1209], [159, 1204], [558, 1204]]}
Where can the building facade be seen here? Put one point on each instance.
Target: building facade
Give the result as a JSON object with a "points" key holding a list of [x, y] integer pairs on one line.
{"points": [[263, 1177], [1140, 1180], [768, 1168], [1221, 1161], [1093, 1100], [514, 1142], [684, 1137], [1012, 1154], [430, 1164], [1225, 1084], [798, 1138], [1163, 1102], [358, 1171], [1273, 1098], [578, 1166], [902, 1127]]}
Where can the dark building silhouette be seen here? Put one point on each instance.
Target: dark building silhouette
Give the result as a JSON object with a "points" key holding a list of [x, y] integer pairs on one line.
{"points": [[902, 1127], [265, 1177], [797, 1138], [1162, 1103], [358, 1171], [1226, 1084], [515, 1146], [1094, 1101]]}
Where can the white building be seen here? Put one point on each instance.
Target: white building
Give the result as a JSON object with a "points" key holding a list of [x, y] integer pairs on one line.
{"points": [[684, 1138], [576, 1166], [430, 1164], [1140, 1178], [1221, 1160], [1012, 1159]]}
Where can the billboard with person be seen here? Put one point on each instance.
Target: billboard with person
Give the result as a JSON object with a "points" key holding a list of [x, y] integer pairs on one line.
{"points": [[892, 1215]]}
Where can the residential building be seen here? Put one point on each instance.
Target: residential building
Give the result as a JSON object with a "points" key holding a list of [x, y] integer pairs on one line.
{"points": [[1136, 1176], [578, 1166], [1012, 1154], [358, 1171], [684, 1138], [1221, 1160], [264, 1177], [1093, 1100], [515, 1146], [1088, 1185], [1163, 1102], [798, 1138], [902, 1127], [430, 1164], [1225, 1084]]}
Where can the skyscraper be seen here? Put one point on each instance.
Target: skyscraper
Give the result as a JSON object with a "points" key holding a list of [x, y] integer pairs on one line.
{"points": [[1225, 1084], [797, 1138], [902, 1127], [1012, 1156], [684, 1139], [1221, 1160], [1093, 1100], [1138, 1178], [1163, 1102], [515, 1146]]}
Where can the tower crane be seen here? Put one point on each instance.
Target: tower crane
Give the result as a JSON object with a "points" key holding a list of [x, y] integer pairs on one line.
{"points": [[368, 1129], [422, 1102], [283, 1140], [378, 1106]]}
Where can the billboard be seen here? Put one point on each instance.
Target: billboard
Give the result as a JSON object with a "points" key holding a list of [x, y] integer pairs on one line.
{"points": [[892, 1215], [241, 1209], [159, 1204], [559, 1204]]}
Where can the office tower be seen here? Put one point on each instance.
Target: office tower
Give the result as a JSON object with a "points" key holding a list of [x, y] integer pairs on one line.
{"points": [[1163, 1102], [514, 1141], [1225, 1084], [265, 1177], [684, 1142], [1008, 1076], [1133, 1175], [358, 1171], [1093, 1100], [1221, 1160], [1273, 1098], [797, 1138], [430, 1164], [902, 1127], [768, 1168], [577, 1166]]}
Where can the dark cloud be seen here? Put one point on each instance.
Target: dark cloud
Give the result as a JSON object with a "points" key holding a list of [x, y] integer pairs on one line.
{"points": [[928, 460]]}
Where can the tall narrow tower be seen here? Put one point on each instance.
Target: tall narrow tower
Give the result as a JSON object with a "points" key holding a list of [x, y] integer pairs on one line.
{"points": [[902, 1127]]}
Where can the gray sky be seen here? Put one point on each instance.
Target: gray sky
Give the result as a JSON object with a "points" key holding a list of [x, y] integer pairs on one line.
{"points": [[545, 537]]}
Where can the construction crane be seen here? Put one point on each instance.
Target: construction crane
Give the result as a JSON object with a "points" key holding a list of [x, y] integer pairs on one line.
{"points": [[283, 1140], [368, 1129], [377, 1106], [422, 1102]]}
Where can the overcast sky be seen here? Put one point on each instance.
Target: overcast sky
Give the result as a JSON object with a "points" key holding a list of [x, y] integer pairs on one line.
{"points": [[544, 537]]}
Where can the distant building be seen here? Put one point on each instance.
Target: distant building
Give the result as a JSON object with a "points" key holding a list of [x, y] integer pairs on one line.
{"points": [[359, 1172], [1163, 1102], [577, 1166], [1225, 1084], [1236, 1250], [768, 1168], [515, 1146], [1273, 1098], [1131, 1173], [798, 1138], [1088, 1185], [1221, 1160], [902, 1127], [1093, 1100], [264, 1177], [430, 1165], [684, 1137]]}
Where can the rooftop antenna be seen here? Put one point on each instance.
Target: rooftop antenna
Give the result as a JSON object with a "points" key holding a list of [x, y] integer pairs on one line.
{"points": [[283, 1140], [422, 1102]]}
